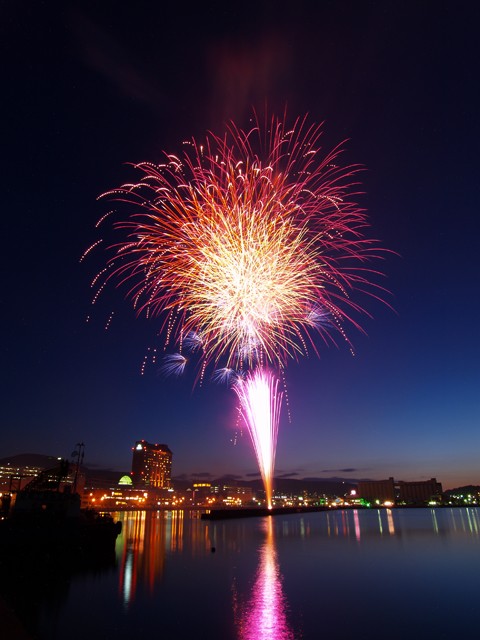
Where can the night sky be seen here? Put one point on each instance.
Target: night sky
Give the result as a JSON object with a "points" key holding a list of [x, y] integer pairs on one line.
{"points": [[89, 87]]}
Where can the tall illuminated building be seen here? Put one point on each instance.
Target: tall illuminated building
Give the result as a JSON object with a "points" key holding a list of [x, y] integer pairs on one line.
{"points": [[151, 465]]}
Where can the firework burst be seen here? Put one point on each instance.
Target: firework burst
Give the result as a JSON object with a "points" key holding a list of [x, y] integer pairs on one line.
{"points": [[248, 247]]}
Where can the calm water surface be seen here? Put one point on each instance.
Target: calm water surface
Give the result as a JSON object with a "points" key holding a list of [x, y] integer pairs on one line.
{"points": [[393, 574]]}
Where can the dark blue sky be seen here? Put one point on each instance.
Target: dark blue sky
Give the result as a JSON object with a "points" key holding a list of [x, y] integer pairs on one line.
{"points": [[88, 87]]}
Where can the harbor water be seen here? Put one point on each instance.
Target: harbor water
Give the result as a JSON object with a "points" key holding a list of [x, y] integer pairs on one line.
{"points": [[373, 574]]}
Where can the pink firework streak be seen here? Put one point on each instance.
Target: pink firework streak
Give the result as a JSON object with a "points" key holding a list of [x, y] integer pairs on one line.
{"points": [[247, 247], [260, 403]]}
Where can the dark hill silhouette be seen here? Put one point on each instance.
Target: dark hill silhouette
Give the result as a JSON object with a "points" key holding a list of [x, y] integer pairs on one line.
{"points": [[30, 460]]}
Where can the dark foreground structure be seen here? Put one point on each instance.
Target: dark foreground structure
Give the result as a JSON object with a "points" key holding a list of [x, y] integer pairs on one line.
{"points": [[46, 538], [47, 521]]}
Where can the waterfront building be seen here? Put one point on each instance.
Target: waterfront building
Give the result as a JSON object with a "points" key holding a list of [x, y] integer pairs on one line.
{"points": [[204, 493], [419, 492], [151, 465], [379, 491], [16, 477], [390, 492]]}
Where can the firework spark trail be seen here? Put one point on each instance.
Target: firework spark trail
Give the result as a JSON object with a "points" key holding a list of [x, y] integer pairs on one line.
{"points": [[260, 403], [248, 247]]}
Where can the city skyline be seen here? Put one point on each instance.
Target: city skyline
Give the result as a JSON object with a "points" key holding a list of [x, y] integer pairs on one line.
{"points": [[26, 465], [90, 90]]}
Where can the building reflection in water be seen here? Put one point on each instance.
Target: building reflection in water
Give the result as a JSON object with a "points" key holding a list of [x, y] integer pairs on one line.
{"points": [[148, 536], [466, 520], [357, 525], [265, 616], [391, 525], [141, 548], [390, 522], [472, 516]]}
